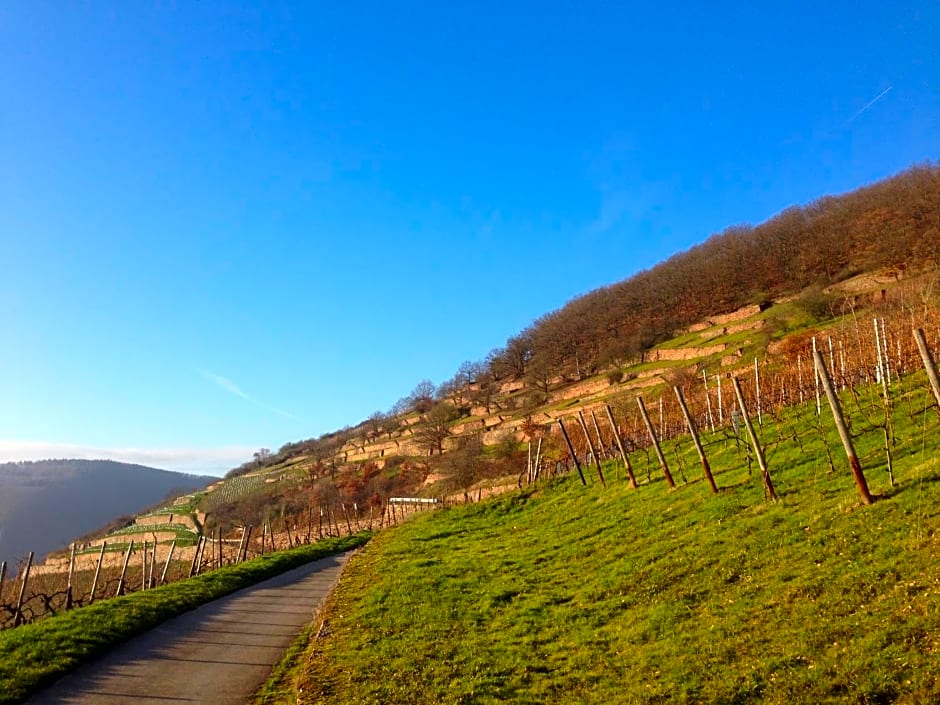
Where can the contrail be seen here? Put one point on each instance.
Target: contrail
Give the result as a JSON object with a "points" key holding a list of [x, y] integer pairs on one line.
{"points": [[867, 106], [232, 388], [225, 383]]}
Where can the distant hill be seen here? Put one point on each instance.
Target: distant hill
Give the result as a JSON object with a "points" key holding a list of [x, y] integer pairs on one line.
{"points": [[46, 504]]}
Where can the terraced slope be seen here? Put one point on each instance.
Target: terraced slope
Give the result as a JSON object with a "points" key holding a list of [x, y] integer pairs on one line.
{"points": [[562, 593]]}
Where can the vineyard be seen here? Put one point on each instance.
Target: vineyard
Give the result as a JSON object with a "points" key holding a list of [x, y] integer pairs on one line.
{"points": [[233, 489], [879, 374], [783, 578], [122, 568]]}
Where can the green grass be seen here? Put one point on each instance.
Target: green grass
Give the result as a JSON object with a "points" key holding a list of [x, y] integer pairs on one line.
{"points": [[231, 490], [790, 317], [187, 507], [740, 339], [279, 687], [179, 529], [693, 339], [654, 365], [36, 654], [562, 593]]}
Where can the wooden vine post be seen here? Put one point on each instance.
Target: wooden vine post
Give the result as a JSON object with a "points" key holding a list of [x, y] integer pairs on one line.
{"points": [[816, 382], [721, 413], [528, 465], [760, 416], [127, 557], [153, 563], [755, 443], [929, 364], [574, 456], [842, 428], [882, 377], [597, 459], [600, 438], [68, 586], [166, 566], [290, 538], [94, 582], [690, 422], [538, 458], [799, 376], [18, 614], [708, 402], [655, 441], [3, 574], [200, 542], [143, 568], [201, 554], [241, 545], [244, 552], [623, 453]]}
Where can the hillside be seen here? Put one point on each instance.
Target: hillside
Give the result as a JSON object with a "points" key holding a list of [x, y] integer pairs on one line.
{"points": [[561, 592], [736, 296], [46, 504], [477, 432], [482, 443]]}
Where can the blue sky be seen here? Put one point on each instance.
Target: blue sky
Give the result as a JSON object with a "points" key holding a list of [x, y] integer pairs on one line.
{"points": [[231, 225]]}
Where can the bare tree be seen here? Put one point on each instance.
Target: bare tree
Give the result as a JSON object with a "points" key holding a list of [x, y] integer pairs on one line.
{"points": [[422, 396], [376, 422], [434, 428]]}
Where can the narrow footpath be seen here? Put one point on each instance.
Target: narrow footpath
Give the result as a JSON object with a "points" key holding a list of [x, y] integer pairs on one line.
{"points": [[218, 654]]}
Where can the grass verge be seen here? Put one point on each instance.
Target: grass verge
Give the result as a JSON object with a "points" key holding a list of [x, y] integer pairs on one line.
{"points": [[563, 594], [33, 655], [280, 686]]}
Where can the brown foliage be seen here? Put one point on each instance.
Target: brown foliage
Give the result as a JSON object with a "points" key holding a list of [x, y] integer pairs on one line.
{"points": [[894, 225]]}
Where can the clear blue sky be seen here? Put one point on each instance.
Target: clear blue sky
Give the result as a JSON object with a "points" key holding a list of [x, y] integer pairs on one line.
{"points": [[232, 225]]}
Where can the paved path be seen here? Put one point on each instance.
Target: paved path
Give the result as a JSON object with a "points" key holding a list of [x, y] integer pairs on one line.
{"points": [[218, 654]]}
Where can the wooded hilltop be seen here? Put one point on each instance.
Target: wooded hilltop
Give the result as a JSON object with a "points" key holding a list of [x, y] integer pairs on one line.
{"points": [[894, 224]]}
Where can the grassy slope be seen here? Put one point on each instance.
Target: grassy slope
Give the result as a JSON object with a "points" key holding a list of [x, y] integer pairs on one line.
{"points": [[571, 594], [36, 654]]}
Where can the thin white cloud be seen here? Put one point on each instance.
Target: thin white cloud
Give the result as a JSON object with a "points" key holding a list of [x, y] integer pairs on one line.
{"points": [[224, 383], [279, 412], [616, 204], [208, 461], [229, 386], [626, 192], [865, 108], [619, 204]]}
